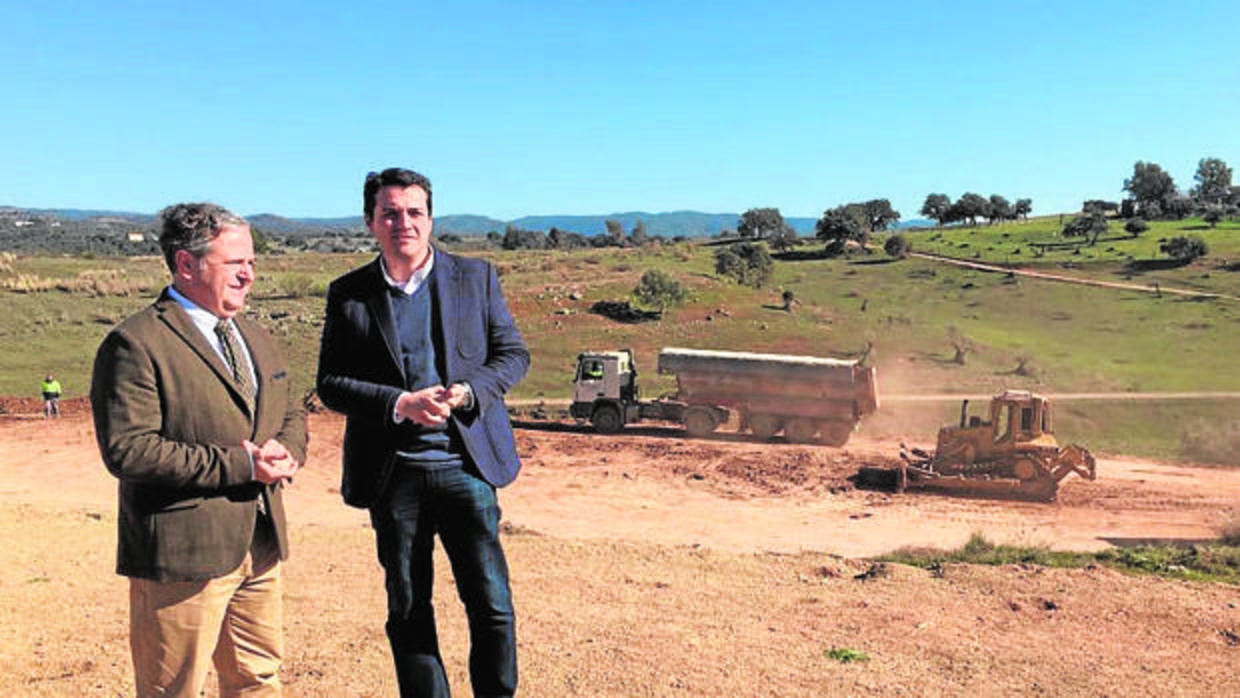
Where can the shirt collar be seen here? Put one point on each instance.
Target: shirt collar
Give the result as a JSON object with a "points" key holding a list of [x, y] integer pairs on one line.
{"points": [[415, 281], [204, 320]]}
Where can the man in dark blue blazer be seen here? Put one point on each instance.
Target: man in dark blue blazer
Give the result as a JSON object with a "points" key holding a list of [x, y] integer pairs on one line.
{"points": [[418, 350]]}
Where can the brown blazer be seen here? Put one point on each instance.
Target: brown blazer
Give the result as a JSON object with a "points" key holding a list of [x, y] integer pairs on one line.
{"points": [[169, 422]]}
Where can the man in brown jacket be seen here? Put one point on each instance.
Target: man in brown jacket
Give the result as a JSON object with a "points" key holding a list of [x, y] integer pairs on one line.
{"points": [[195, 415]]}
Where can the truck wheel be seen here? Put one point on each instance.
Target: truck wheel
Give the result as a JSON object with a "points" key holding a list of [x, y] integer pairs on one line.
{"points": [[836, 433], [763, 426], [606, 420], [699, 422], [801, 430]]}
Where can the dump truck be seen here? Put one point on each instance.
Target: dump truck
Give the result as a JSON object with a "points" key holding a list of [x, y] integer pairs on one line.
{"points": [[809, 399], [1008, 451]]}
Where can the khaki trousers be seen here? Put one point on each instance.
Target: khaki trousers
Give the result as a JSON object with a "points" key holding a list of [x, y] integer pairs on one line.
{"points": [[178, 629]]}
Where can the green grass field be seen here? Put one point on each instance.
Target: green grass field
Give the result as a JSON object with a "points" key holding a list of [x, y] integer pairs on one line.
{"points": [[1019, 332]]}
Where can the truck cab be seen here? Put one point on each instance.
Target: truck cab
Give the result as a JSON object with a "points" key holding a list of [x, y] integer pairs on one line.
{"points": [[605, 389]]}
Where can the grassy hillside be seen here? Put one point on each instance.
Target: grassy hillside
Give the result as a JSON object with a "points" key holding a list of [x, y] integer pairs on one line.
{"points": [[1063, 338]]}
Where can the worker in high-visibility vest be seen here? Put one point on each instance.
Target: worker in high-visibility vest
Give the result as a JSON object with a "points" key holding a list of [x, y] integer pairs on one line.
{"points": [[51, 396]]}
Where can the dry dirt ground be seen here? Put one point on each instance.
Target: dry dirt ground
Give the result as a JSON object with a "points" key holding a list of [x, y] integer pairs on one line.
{"points": [[652, 565]]}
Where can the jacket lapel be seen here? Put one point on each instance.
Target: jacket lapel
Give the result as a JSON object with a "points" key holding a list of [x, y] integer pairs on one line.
{"points": [[380, 305], [177, 320], [175, 317], [445, 282]]}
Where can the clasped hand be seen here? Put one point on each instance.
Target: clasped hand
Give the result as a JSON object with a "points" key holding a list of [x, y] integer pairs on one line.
{"points": [[272, 461], [431, 406]]}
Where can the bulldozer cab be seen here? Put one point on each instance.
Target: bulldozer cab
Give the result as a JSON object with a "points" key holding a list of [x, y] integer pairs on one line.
{"points": [[1015, 420], [605, 375], [1020, 416]]}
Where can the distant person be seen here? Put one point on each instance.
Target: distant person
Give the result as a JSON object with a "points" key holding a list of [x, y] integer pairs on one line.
{"points": [[418, 351], [195, 415], [51, 389]]}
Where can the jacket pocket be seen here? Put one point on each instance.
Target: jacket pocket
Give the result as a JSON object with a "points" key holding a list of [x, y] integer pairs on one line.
{"points": [[180, 505]]}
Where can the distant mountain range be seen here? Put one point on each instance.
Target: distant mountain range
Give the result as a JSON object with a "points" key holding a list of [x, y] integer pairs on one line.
{"points": [[689, 224]]}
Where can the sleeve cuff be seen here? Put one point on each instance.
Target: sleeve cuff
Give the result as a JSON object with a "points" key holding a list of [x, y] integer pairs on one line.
{"points": [[470, 401], [396, 418]]}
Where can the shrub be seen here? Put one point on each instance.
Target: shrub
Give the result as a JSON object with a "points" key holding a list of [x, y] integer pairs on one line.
{"points": [[745, 262], [1136, 226], [845, 655], [1184, 248], [92, 283], [897, 246], [28, 283], [835, 248], [659, 289], [516, 238], [1087, 226], [302, 285]]}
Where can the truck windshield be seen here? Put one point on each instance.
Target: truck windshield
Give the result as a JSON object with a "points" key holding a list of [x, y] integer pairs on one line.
{"points": [[591, 369]]}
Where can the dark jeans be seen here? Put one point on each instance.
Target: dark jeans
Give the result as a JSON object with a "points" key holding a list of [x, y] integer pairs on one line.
{"points": [[464, 511]]}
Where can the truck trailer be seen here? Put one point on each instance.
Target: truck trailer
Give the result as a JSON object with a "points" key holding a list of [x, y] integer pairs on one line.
{"points": [[809, 399]]}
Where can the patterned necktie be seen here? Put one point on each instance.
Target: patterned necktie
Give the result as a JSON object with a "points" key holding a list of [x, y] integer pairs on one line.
{"points": [[232, 356]]}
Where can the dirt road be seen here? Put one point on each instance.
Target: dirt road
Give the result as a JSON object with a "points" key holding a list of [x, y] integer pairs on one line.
{"points": [[1143, 288]]}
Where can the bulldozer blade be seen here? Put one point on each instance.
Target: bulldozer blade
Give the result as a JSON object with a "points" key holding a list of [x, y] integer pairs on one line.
{"points": [[1075, 459]]}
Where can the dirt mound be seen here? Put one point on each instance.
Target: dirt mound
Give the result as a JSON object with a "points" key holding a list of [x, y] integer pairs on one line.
{"points": [[731, 464]]}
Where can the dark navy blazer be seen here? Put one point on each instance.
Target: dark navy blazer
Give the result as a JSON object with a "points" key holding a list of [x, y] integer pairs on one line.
{"points": [[361, 374]]}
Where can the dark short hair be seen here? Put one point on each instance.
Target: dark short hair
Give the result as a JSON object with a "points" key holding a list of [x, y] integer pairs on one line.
{"points": [[192, 227], [392, 177]]}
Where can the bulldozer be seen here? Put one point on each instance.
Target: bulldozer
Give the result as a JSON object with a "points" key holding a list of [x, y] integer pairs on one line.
{"points": [[1010, 451]]}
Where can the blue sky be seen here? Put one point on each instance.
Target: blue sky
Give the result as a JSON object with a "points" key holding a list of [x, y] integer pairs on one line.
{"points": [[527, 108]]}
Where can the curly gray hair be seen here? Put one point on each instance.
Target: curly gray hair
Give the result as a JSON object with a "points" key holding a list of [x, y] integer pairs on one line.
{"points": [[192, 227]]}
